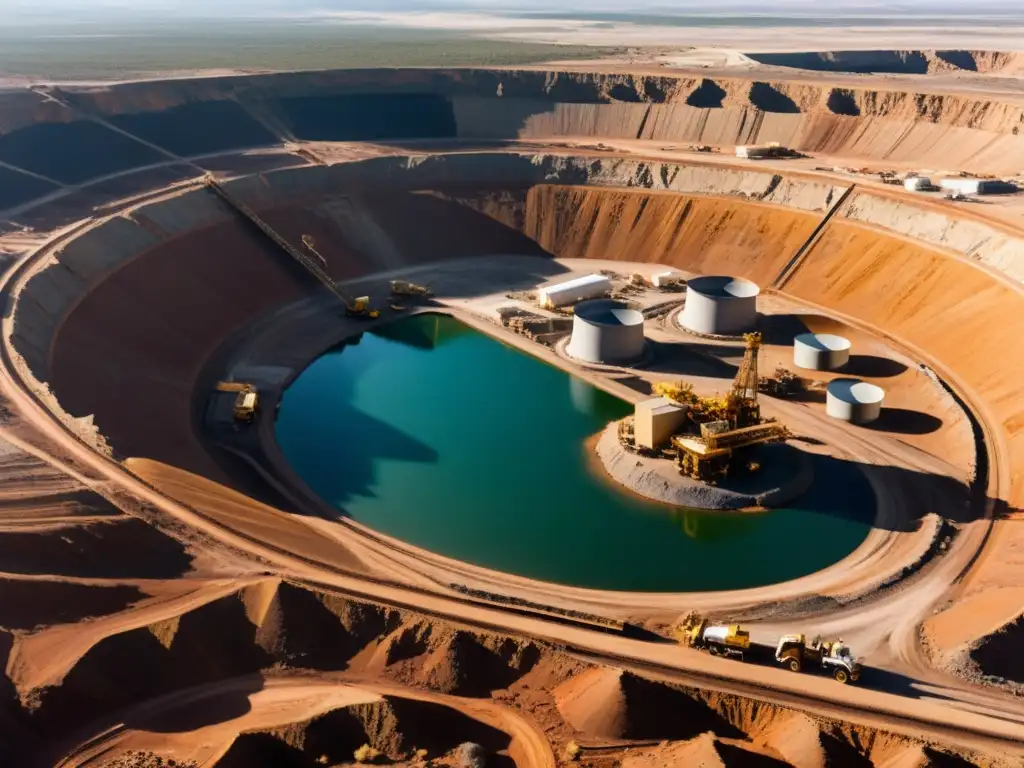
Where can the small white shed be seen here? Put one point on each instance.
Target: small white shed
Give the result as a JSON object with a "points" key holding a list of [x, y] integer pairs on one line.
{"points": [[655, 421], [573, 291]]}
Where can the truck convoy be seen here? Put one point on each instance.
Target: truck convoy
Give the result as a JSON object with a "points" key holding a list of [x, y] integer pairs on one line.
{"points": [[832, 656], [729, 640], [793, 651]]}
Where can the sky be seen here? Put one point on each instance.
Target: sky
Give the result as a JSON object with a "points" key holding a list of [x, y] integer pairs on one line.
{"points": [[126, 10]]}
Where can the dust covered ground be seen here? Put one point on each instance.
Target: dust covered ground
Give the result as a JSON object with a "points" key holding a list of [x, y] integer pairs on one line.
{"points": [[174, 593]]}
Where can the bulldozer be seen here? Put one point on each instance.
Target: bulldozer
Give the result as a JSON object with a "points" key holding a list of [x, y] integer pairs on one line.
{"points": [[246, 399], [730, 640], [833, 656]]}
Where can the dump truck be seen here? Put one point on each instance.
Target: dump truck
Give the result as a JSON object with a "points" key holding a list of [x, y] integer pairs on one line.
{"points": [[246, 399], [718, 640], [833, 656]]}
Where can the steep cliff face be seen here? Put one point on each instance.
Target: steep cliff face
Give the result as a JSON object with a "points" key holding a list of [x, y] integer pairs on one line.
{"points": [[73, 135], [912, 62]]}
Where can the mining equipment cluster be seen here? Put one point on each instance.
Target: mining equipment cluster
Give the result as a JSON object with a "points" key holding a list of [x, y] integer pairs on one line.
{"points": [[706, 435], [792, 651]]}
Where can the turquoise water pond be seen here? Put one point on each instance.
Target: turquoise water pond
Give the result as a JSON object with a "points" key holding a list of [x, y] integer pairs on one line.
{"points": [[434, 433]]}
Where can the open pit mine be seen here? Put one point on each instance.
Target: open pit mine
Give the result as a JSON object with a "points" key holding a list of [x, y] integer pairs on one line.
{"points": [[463, 417]]}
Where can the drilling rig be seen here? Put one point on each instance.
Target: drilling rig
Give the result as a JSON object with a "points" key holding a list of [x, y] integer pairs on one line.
{"points": [[725, 425]]}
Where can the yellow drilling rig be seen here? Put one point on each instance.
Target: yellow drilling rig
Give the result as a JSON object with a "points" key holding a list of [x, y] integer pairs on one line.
{"points": [[725, 424]]}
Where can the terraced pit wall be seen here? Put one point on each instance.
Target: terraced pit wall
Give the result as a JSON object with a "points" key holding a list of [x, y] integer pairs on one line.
{"points": [[188, 273], [68, 136]]}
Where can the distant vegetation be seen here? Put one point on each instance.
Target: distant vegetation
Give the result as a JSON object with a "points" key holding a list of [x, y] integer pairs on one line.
{"points": [[86, 52]]}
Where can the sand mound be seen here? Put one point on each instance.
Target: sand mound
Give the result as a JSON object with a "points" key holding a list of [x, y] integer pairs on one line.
{"points": [[798, 739], [701, 752], [918, 756], [470, 664], [272, 623], [594, 704], [998, 655], [704, 751], [396, 726], [614, 704]]}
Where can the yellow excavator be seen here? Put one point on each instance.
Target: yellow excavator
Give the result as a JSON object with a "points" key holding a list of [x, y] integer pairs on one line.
{"points": [[246, 399]]}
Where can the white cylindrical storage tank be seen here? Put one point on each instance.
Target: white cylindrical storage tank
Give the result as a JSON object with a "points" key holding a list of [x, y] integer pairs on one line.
{"points": [[854, 400], [606, 331], [820, 351], [720, 306]]}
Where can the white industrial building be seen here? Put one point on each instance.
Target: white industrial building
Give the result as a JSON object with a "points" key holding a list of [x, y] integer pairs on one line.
{"points": [[967, 186], [917, 184], [665, 279], [573, 291], [761, 151], [655, 421]]}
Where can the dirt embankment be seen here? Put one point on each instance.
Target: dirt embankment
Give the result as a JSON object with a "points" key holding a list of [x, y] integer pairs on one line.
{"points": [[281, 625], [70, 136], [909, 62]]}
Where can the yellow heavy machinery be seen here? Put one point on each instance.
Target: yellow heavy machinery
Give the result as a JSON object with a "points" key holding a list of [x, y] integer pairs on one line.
{"points": [[718, 640], [727, 424], [405, 288], [706, 457], [359, 307], [833, 656], [246, 399]]}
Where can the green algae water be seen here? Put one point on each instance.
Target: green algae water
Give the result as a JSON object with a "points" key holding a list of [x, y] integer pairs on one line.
{"points": [[434, 433]]}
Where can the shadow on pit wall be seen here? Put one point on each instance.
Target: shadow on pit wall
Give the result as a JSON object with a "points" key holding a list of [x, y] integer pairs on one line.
{"points": [[839, 489]]}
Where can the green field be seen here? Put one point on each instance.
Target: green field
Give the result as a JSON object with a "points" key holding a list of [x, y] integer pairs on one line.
{"points": [[107, 52]]}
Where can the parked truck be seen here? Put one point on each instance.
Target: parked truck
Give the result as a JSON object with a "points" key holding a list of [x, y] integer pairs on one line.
{"points": [[833, 656], [717, 639]]}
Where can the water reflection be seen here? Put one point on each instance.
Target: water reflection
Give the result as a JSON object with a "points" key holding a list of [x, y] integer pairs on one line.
{"points": [[430, 331], [584, 395], [702, 525]]}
